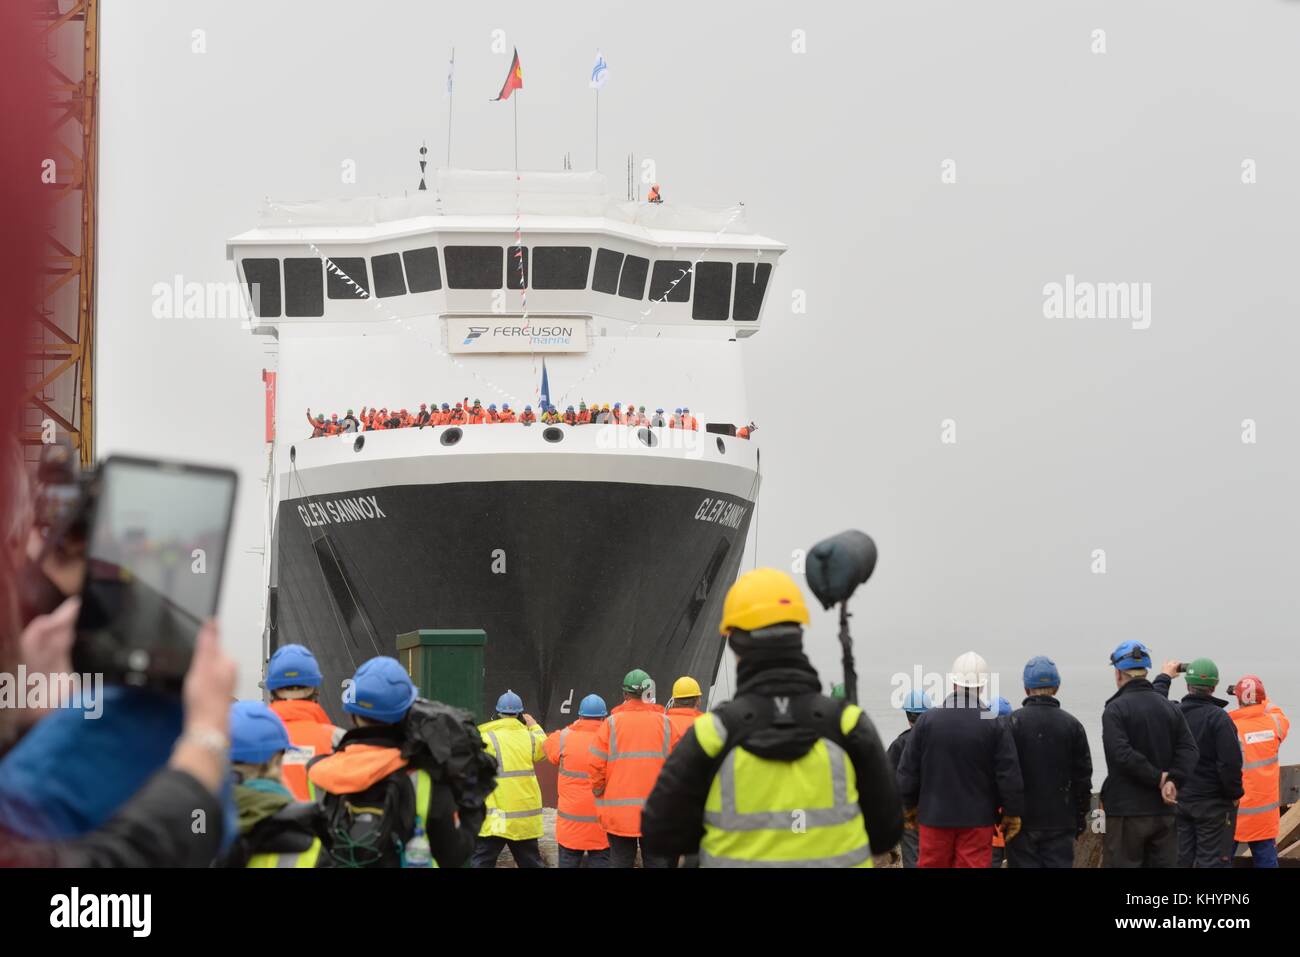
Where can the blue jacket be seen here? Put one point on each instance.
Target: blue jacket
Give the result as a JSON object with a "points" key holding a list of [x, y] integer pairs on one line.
{"points": [[69, 774]]}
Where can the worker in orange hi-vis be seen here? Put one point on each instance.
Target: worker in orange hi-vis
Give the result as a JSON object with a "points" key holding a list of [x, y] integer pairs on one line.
{"points": [[627, 755], [684, 706], [655, 195], [293, 677], [578, 833], [1261, 728], [689, 421], [507, 414]]}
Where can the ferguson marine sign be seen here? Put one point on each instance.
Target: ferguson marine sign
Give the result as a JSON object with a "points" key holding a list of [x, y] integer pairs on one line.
{"points": [[497, 334]]}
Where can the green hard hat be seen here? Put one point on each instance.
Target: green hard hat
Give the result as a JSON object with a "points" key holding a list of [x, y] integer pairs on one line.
{"points": [[837, 691], [1202, 672], [636, 681]]}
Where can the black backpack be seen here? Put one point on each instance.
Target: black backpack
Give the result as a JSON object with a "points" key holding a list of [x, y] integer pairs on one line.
{"points": [[370, 828]]}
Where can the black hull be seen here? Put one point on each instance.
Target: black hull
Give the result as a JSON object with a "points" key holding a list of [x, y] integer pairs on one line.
{"points": [[599, 578]]}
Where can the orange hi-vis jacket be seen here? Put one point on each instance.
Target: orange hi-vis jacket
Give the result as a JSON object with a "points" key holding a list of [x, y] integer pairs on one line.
{"points": [[576, 826], [311, 735], [630, 749], [681, 719], [1261, 729]]}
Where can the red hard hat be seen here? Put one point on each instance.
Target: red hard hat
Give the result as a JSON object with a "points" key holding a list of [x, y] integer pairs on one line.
{"points": [[1249, 690]]}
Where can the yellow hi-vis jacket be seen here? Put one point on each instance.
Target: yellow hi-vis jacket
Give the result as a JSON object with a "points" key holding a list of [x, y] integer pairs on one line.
{"points": [[765, 813], [514, 809], [306, 858]]}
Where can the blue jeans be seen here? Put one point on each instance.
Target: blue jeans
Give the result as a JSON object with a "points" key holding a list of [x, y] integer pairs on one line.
{"points": [[1263, 853], [572, 858]]}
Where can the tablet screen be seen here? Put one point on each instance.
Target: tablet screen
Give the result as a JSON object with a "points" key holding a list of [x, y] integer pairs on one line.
{"points": [[155, 553]]}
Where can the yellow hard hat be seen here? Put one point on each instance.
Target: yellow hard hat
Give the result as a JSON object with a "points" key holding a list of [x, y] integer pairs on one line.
{"points": [[686, 687], [760, 598]]}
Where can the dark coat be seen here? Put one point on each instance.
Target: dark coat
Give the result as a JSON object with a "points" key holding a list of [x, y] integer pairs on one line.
{"points": [[1143, 734], [1217, 776], [1055, 763], [895, 750], [960, 766]]}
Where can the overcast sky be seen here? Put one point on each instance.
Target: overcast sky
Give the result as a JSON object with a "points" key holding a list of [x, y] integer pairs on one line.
{"points": [[924, 299]]}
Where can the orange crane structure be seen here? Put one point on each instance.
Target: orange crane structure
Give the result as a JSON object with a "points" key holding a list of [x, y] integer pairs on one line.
{"points": [[58, 394]]}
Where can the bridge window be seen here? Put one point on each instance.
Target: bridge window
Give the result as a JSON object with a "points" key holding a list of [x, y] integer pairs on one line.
{"points": [[561, 267], [262, 277], [303, 290], [671, 281], [751, 284], [516, 267], [473, 267], [608, 264], [388, 275], [631, 284], [355, 269], [712, 291], [422, 273]]}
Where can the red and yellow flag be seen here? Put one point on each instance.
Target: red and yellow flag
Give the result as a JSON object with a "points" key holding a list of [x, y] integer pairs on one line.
{"points": [[515, 81]]}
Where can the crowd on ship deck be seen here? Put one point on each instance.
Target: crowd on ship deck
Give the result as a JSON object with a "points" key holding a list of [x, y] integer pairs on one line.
{"points": [[466, 412]]}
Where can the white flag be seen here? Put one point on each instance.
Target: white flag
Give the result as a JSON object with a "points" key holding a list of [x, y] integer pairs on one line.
{"points": [[599, 72]]}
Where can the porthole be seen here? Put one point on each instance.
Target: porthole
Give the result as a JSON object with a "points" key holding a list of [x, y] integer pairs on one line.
{"points": [[451, 436], [552, 434], [648, 438], [359, 444]]}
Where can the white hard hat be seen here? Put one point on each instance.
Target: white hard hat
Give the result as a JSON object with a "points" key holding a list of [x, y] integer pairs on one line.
{"points": [[969, 671]]}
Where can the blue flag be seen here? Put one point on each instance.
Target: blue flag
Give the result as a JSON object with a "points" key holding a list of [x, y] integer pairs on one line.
{"points": [[546, 387]]}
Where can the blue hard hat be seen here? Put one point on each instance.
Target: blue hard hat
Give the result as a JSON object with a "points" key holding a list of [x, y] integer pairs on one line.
{"points": [[510, 703], [592, 706], [381, 691], [659, 411], [917, 702], [677, 412], [292, 666], [1002, 706], [446, 406], [1041, 672], [1129, 655], [528, 408], [256, 733], [492, 406]]}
